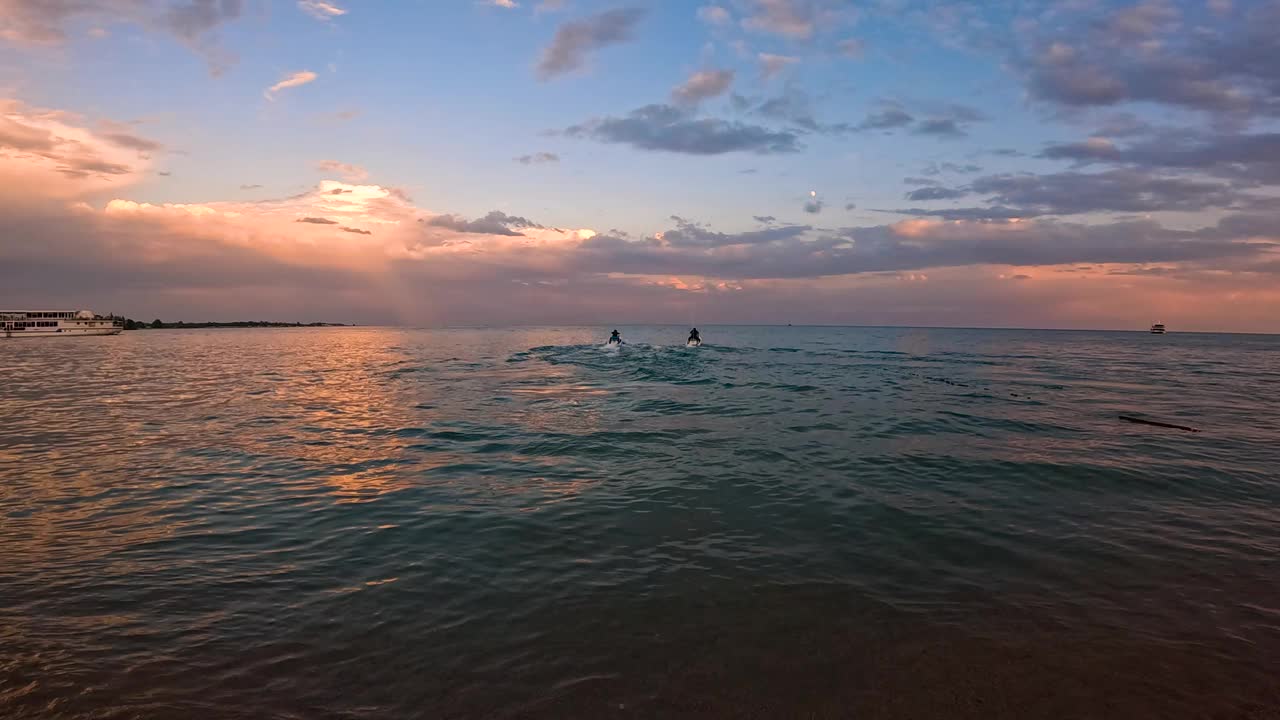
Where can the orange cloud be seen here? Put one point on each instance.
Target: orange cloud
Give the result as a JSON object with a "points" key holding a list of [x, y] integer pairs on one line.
{"points": [[292, 80], [48, 153]]}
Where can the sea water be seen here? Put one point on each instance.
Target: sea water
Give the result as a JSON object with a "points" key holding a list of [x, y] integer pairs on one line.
{"points": [[784, 522]]}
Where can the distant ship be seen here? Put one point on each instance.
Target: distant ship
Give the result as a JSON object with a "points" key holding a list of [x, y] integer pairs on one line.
{"points": [[57, 323], [1157, 329]]}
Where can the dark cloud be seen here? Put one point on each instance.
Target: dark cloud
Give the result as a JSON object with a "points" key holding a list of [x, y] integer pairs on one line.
{"points": [[1245, 158], [133, 142], [920, 181], [196, 17], [46, 21], [540, 158], [798, 254], [164, 173], [690, 234], [344, 228], [574, 40], [88, 165], [935, 193], [948, 121], [670, 129], [963, 169], [1119, 190], [1083, 152], [1006, 152], [942, 127], [317, 221], [112, 261], [850, 206], [814, 206], [1123, 125], [886, 119], [1147, 53], [967, 213], [250, 187], [495, 223], [748, 171], [792, 107], [765, 219], [340, 191]]}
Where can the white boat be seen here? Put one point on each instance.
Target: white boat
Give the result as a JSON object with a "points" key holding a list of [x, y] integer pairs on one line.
{"points": [[57, 323], [1157, 329]]}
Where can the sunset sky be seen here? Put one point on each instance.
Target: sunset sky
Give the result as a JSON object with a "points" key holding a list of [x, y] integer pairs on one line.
{"points": [[1074, 164]]}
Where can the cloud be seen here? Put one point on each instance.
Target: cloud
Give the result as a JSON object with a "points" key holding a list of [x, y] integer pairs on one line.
{"points": [[713, 15], [1122, 190], [495, 223], [317, 221], [764, 219], [947, 121], [852, 48], [193, 22], [250, 187], [574, 40], [813, 206], [132, 142], [1249, 159], [196, 17], [791, 107], [920, 181], [224, 259], [321, 9], [934, 168], [942, 127], [353, 173], [50, 154], [935, 193], [689, 234], [670, 129], [795, 19], [292, 80], [508, 4], [886, 119], [771, 65], [702, 85], [1147, 53], [539, 158]]}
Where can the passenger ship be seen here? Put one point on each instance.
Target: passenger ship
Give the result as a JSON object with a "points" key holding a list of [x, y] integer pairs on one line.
{"points": [[1157, 329], [57, 323]]}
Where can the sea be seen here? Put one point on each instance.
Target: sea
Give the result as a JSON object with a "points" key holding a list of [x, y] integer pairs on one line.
{"points": [[786, 522]]}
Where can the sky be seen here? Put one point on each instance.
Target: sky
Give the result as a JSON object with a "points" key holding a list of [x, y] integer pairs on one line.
{"points": [[992, 163]]}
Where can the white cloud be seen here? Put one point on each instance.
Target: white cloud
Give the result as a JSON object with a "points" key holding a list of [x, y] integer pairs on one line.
{"points": [[290, 81]]}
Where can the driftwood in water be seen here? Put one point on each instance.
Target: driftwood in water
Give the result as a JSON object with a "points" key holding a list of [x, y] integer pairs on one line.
{"points": [[1157, 423]]}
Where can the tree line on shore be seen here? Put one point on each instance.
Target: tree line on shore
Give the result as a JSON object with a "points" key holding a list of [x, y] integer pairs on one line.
{"points": [[157, 324]]}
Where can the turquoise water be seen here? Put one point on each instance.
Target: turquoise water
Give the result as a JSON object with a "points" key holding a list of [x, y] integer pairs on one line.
{"points": [[785, 522]]}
